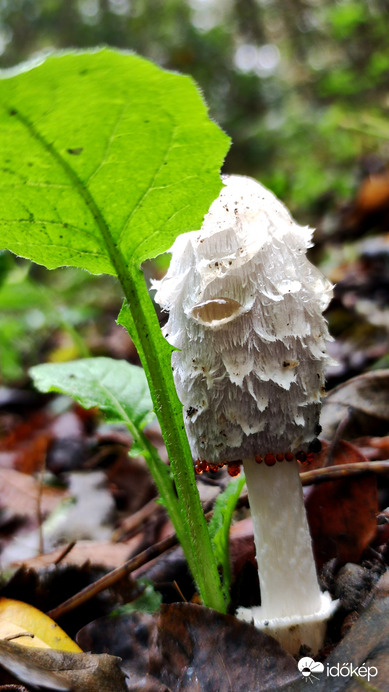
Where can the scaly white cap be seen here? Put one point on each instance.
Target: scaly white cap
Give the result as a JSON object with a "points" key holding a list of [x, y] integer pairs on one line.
{"points": [[245, 309]]}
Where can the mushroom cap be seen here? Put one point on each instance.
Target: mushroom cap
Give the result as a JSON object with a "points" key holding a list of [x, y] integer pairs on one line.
{"points": [[245, 309]]}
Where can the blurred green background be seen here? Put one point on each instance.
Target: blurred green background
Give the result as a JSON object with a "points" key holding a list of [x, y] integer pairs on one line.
{"points": [[301, 86]]}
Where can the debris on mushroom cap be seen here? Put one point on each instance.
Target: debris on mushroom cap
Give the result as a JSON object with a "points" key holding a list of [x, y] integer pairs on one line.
{"points": [[245, 308]]}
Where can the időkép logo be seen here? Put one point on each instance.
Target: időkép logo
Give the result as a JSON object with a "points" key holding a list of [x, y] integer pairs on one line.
{"points": [[309, 669]]}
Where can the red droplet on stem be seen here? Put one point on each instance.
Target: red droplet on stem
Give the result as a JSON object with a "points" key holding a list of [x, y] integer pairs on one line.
{"points": [[233, 470], [270, 460]]}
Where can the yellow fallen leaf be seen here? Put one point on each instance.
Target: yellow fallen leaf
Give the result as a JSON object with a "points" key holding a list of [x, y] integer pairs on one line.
{"points": [[19, 635], [16, 617]]}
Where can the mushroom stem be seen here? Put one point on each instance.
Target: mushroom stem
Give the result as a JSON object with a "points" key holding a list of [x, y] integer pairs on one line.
{"points": [[293, 609]]}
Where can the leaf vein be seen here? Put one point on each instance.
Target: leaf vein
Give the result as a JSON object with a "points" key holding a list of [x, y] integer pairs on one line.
{"points": [[149, 187], [108, 144], [29, 183], [146, 241]]}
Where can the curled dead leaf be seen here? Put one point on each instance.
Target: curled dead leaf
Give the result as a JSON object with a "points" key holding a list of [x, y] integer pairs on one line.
{"points": [[367, 398], [61, 670]]}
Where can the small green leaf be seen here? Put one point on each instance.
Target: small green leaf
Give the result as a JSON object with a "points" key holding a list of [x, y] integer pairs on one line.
{"points": [[120, 391], [116, 387], [148, 602], [219, 528]]}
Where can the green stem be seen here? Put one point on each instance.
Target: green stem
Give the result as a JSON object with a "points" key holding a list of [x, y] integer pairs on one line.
{"points": [[162, 479], [155, 355]]}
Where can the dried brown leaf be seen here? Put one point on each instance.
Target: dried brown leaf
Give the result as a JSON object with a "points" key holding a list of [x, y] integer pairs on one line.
{"points": [[199, 650], [101, 553], [342, 513], [60, 670], [21, 492], [367, 643], [367, 396], [25, 667], [127, 636]]}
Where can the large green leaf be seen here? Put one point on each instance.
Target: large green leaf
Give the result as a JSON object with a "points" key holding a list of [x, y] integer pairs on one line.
{"points": [[104, 159]]}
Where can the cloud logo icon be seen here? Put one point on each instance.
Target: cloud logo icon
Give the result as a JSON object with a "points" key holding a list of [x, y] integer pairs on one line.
{"points": [[307, 667]]}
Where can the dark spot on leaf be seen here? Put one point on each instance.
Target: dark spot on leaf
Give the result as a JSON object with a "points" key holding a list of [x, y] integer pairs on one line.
{"points": [[13, 111], [76, 151]]}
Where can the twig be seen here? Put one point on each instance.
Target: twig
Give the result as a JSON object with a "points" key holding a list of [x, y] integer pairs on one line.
{"points": [[329, 460], [39, 507], [343, 470], [112, 577], [11, 637], [133, 522], [65, 552], [177, 588]]}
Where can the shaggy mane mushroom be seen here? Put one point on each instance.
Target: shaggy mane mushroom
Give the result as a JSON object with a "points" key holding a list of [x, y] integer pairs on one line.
{"points": [[245, 311]]}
